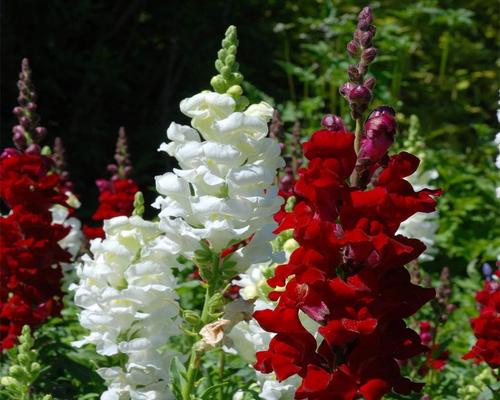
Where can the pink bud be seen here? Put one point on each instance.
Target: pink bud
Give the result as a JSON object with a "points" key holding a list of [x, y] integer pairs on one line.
{"points": [[369, 82], [31, 106], [366, 39], [19, 139], [353, 72], [346, 89], [333, 123], [103, 185], [33, 149], [360, 95], [24, 121], [426, 337], [353, 48], [378, 134], [369, 55], [40, 132], [18, 111], [112, 168], [10, 152]]}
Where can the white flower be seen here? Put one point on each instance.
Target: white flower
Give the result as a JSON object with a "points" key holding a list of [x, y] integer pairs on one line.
{"points": [[73, 241], [224, 190], [422, 225], [127, 293]]}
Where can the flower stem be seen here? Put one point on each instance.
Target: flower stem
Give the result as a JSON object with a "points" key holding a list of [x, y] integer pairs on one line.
{"points": [[357, 138], [221, 373], [194, 364]]}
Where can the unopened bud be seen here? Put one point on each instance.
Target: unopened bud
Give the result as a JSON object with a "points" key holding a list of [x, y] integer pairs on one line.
{"points": [[360, 95], [40, 132], [366, 39], [365, 18], [369, 55], [24, 121], [333, 123], [353, 48], [31, 106], [369, 82], [18, 111], [346, 89], [33, 149], [353, 72]]}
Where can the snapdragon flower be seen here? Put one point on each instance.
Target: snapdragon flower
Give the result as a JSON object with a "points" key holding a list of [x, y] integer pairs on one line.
{"points": [[127, 293], [224, 190]]}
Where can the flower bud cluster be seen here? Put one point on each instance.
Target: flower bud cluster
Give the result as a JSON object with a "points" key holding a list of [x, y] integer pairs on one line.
{"points": [[358, 91], [127, 293], [27, 134]]}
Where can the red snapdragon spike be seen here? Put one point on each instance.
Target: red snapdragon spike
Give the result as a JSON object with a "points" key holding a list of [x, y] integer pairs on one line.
{"points": [[348, 275], [30, 254], [486, 326]]}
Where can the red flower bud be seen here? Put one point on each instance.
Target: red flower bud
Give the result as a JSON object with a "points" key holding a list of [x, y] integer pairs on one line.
{"points": [[346, 89]]}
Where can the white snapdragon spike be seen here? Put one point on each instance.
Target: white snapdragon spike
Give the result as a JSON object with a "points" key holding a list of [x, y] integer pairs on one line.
{"points": [[422, 225], [73, 241], [127, 293], [224, 190]]}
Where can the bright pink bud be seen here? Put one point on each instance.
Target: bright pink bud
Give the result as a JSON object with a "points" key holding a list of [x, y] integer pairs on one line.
{"points": [[378, 134], [333, 123], [40, 132], [103, 185]]}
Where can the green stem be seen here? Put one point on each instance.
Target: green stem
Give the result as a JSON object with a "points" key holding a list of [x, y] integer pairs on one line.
{"points": [[357, 138], [221, 373], [194, 363], [444, 56]]}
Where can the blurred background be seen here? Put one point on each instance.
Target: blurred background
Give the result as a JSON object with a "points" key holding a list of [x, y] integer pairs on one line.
{"points": [[99, 65]]}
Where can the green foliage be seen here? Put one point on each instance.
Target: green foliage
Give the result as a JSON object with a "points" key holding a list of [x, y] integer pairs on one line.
{"points": [[23, 371]]}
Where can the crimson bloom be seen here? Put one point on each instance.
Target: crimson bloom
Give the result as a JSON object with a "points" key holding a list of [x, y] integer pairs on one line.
{"points": [[348, 275]]}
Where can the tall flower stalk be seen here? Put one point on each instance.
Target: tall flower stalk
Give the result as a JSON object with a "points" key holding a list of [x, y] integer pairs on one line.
{"points": [[348, 274], [116, 195], [32, 247], [222, 199]]}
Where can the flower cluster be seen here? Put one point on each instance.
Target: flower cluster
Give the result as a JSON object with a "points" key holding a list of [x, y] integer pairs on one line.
{"points": [[116, 195], [36, 232], [487, 325], [348, 275], [127, 292], [358, 91], [30, 250], [224, 191]]}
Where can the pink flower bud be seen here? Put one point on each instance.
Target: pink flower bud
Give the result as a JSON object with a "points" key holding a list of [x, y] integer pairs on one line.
{"points": [[369, 82], [366, 39], [346, 89], [24, 121], [333, 123], [10, 152], [31, 106], [103, 185], [360, 95], [112, 168], [426, 337], [353, 48], [365, 18], [18, 111], [353, 72], [19, 139], [40, 132], [33, 149], [369, 55], [378, 134]]}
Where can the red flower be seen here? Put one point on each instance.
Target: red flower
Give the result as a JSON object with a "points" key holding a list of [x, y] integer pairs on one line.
{"points": [[487, 325], [348, 275], [30, 255], [116, 198]]}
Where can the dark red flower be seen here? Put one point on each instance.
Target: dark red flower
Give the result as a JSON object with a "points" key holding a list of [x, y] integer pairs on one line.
{"points": [[349, 276], [487, 325]]}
